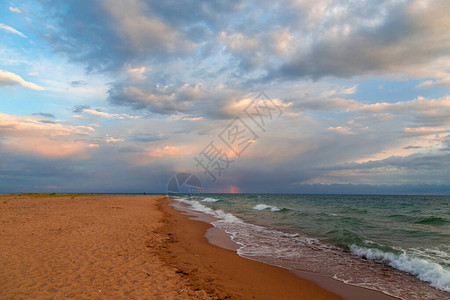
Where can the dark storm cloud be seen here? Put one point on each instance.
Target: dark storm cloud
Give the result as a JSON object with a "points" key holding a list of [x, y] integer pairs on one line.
{"points": [[246, 42], [362, 38], [286, 179], [107, 35], [103, 173], [194, 60], [213, 14], [22, 173], [433, 167]]}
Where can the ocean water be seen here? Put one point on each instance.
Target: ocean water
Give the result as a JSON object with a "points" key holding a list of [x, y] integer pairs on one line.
{"points": [[399, 245]]}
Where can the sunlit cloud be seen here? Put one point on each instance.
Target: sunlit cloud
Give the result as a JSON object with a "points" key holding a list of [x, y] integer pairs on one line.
{"points": [[140, 88], [99, 113], [341, 130], [137, 73], [420, 104], [445, 80], [424, 130], [110, 139], [30, 136], [167, 151], [15, 10], [11, 79]]}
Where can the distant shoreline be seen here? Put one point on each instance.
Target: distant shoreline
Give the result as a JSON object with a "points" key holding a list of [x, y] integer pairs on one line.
{"points": [[163, 193]]}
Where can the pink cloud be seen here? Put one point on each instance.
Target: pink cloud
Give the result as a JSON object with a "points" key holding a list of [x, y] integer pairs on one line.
{"points": [[28, 135], [341, 130], [424, 130], [8, 78]]}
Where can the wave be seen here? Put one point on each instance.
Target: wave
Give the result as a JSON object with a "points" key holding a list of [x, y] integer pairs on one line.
{"points": [[431, 221], [219, 214], [210, 200], [265, 206], [423, 269], [299, 252]]}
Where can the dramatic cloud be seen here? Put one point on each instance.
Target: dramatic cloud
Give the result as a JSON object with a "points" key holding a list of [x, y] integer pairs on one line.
{"points": [[198, 100], [358, 38], [150, 42], [405, 168], [140, 87], [284, 39], [11, 79], [114, 33]]}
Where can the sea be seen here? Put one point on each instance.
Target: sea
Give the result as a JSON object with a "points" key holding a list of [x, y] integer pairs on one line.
{"points": [[398, 245]]}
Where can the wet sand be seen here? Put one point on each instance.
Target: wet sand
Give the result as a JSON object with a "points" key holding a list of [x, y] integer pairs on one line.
{"points": [[126, 247], [229, 275], [221, 272]]}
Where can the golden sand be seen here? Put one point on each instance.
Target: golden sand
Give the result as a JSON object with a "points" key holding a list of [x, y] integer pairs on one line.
{"points": [[125, 247]]}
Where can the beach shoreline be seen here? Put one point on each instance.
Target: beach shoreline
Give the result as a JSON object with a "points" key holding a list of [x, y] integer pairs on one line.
{"points": [[214, 239], [130, 246]]}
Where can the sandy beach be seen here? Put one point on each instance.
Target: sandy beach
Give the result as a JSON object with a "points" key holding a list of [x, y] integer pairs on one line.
{"points": [[98, 247], [104, 247]]}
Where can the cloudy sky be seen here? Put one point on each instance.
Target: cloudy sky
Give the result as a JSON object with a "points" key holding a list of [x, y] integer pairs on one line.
{"points": [[119, 96]]}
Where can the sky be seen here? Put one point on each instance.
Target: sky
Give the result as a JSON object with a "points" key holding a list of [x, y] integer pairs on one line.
{"points": [[289, 96]]}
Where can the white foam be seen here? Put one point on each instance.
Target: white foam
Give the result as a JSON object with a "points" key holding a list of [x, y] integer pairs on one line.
{"points": [[265, 206], [425, 270], [299, 252], [219, 214], [210, 200]]}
